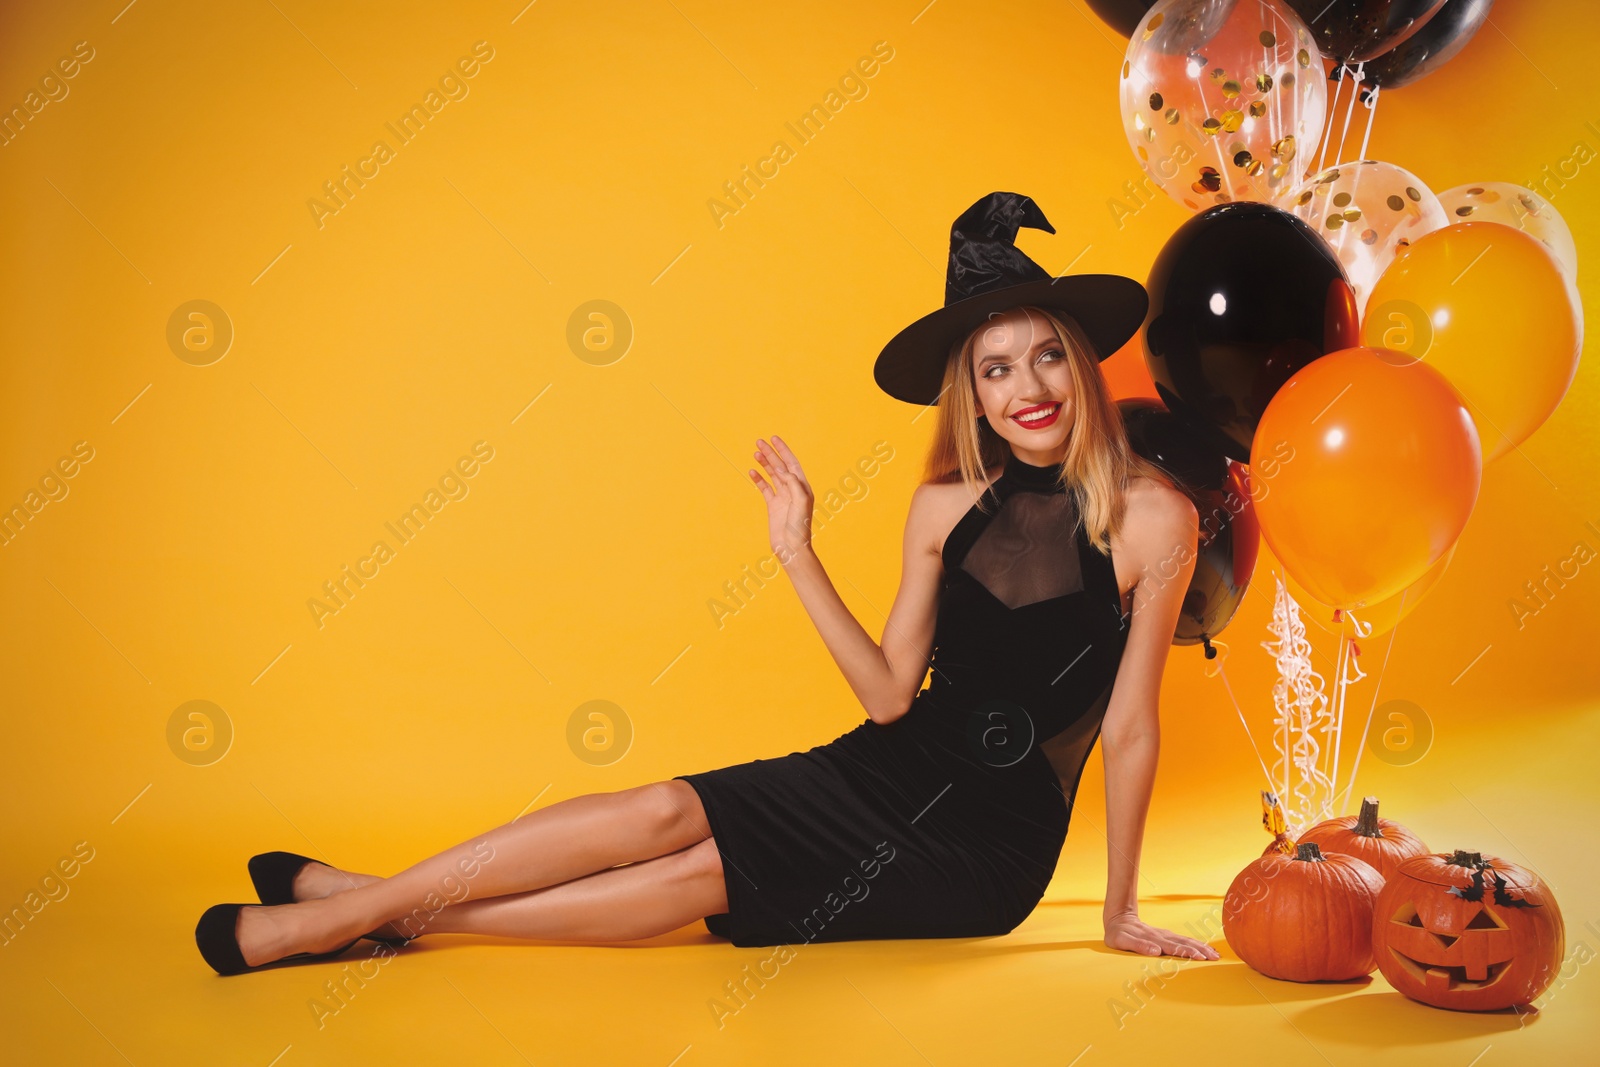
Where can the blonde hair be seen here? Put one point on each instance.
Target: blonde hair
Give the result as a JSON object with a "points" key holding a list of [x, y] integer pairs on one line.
{"points": [[1100, 464]]}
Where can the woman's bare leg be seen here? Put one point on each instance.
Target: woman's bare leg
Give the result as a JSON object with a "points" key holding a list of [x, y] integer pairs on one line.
{"points": [[620, 904], [565, 841]]}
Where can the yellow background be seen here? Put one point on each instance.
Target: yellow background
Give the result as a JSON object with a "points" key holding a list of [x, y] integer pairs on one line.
{"points": [[432, 310]]}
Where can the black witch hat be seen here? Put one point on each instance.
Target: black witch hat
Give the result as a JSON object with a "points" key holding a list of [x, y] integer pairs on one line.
{"points": [[989, 274]]}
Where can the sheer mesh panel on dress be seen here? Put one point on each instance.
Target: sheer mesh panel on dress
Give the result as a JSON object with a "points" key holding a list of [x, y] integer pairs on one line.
{"points": [[1068, 750], [1028, 551]]}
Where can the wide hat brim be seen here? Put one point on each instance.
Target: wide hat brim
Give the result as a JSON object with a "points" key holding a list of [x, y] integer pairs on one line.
{"points": [[1109, 307]]}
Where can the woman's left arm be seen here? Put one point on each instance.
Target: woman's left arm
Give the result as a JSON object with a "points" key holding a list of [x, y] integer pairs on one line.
{"points": [[1162, 532]]}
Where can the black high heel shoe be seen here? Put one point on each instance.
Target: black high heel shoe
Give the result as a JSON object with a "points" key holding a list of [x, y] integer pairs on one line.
{"points": [[273, 875], [217, 936]]}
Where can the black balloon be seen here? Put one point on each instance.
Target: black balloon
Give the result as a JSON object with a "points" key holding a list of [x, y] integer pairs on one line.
{"points": [[1430, 47], [1241, 297], [1122, 15], [1354, 30], [1230, 537], [1165, 440]]}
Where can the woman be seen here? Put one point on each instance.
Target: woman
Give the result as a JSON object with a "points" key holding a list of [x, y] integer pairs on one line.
{"points": [[1044, 566]]}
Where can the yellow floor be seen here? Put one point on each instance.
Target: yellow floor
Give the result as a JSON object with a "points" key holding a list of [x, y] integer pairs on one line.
{"points": [[108, 975]]}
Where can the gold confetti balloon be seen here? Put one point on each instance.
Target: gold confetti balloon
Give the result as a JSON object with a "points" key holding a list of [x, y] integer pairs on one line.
{"points": [[1517, 206], [1223, 100], [1367, 211]]}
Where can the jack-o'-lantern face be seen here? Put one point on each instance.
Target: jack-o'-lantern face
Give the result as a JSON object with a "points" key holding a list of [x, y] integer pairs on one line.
{"points": [[1467, 932], [1455, 954]]}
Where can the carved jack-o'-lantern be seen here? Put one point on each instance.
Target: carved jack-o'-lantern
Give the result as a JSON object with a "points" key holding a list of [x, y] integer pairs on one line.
{"points": [[1466, 931]]}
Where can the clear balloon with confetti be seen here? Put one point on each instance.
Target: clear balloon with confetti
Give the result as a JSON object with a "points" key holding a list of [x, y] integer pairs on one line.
{"points": [[1223, 100], [1367, 211]]}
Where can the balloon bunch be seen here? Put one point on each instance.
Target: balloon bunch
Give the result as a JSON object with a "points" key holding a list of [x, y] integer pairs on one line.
{"points": [[1363, 344], [1365, 435]]}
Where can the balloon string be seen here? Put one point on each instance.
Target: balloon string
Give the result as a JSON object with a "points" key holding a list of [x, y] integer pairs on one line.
{"points": [[1372, 110], [1335, 721], [1349, 660], [1286, 748], [1329, 729], [1223, 674], [1349, 110], [1355, 661], [1327, 124], [1355, 764]]}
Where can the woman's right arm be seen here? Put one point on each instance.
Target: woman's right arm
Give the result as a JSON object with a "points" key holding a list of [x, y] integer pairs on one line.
{"points": [[884, 676]]}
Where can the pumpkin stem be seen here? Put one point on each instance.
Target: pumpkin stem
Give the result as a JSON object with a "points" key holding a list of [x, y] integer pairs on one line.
{"points": [[1367, 822], [1308, 850], [1463, 858]]}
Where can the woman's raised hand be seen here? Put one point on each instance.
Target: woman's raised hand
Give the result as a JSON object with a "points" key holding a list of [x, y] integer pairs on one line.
{"points": [[789, 499]]}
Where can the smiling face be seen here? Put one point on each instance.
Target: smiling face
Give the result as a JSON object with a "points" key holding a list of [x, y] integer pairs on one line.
{"points": [[1022, 381]]}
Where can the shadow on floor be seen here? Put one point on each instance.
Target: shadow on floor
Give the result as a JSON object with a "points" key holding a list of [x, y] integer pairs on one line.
{"points": [[1386, 1019]]}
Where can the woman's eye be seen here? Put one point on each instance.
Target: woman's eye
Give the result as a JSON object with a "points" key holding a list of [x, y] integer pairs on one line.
{"points": [[1056, 353]]}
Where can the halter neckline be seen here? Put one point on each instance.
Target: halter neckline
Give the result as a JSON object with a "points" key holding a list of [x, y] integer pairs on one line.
{"points": [[1030, 476]]}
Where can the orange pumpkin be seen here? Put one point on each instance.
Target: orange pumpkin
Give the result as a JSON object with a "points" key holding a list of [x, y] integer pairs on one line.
{"points": [[1468, 932], [1382, 843], [1303, 918]]}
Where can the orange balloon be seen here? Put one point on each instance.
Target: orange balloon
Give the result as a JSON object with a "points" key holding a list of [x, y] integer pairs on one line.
{"points": [[1374, 619], [1364, 470], [1489, 308]]}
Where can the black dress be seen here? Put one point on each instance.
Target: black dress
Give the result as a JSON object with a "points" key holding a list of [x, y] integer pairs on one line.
{"points": [[948, 821]]}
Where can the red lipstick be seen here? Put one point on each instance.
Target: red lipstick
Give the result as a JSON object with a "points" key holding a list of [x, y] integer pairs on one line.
{"points": [[1041, 423]]}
